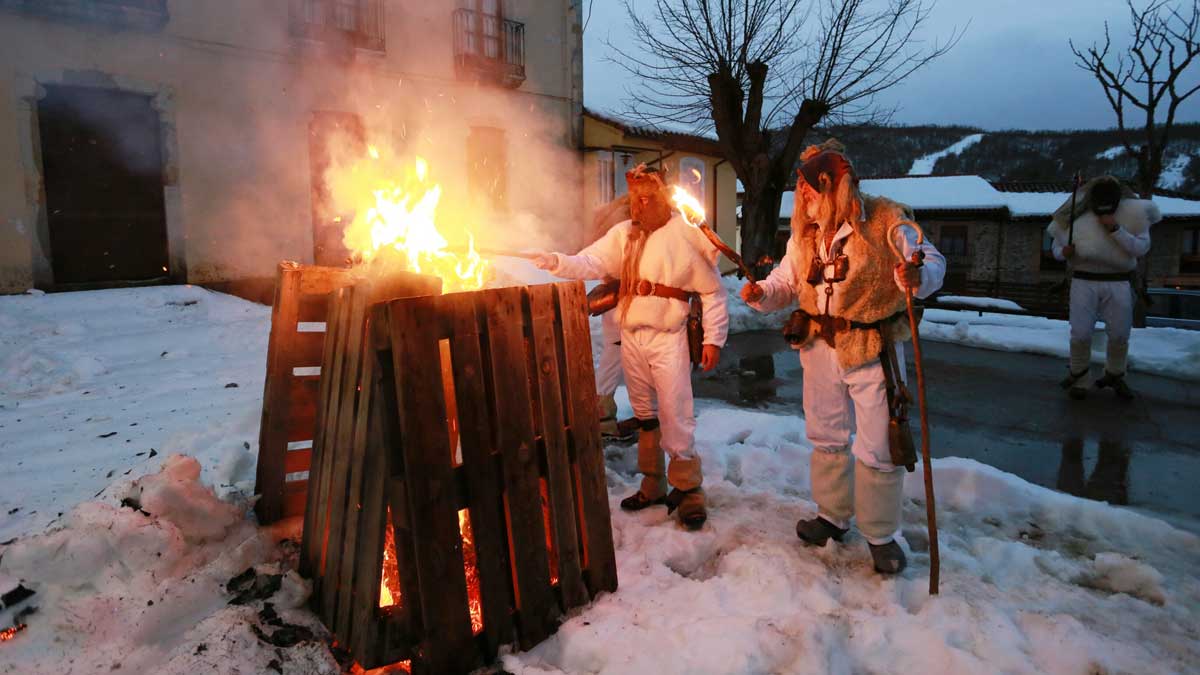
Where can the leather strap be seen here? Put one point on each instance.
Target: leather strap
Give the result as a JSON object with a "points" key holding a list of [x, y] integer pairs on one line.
{"points": [[1102, 276], [645, 287]]}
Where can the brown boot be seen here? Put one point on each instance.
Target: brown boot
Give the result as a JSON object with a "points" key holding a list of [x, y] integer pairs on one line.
{"points": [[652, 466], [686, 495]]}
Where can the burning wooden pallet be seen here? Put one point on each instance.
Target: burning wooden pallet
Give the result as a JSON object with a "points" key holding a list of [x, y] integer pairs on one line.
{"points": [[294, 380], [458, 498]]}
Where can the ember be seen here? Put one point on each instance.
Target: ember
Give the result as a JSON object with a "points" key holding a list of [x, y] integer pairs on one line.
{"points": [[11, 632], [471, 570], [389, 585], [396, 219]]}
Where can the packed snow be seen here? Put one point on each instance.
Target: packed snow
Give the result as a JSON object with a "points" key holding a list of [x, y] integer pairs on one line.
{"points": [[1172, 176], [983, 303], [139, 572], [1111, 153], [923, 166]]}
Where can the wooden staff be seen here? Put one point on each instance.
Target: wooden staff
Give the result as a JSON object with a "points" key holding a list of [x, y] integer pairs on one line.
{"points": [[918, 259], [725, 249], [493, 252]]}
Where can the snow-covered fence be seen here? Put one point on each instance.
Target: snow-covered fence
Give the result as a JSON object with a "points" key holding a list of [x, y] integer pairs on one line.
{"points": [[458, 500]]}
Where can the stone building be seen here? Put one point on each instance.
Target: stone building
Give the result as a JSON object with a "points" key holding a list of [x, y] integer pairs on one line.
{"points": [[146, 141]]}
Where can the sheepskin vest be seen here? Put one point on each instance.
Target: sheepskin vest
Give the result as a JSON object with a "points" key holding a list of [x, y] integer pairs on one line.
{"points": [[869, 293], [1095, 249]]}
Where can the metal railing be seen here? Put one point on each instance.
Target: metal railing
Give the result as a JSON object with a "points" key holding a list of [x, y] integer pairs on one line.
{"points": [[489, 47], [358, 21]]}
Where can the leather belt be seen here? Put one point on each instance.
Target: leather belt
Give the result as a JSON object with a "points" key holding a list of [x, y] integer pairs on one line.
{"points": [[828, 326], [1102, 276], [646, 287]]}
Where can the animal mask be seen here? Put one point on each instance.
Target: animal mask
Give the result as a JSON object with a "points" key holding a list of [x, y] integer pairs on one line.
{"points": [[649, 204]]}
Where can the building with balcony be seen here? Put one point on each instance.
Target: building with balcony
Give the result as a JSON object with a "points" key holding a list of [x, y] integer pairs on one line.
{"points": [[151, 141]]}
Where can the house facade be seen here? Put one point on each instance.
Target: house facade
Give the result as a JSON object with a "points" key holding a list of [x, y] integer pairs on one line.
{"points": [[993, 234], [612, 147], [147, 141]]}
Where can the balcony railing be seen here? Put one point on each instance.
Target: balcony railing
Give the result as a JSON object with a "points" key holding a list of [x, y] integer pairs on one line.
{"points": [[489, 48], [355, 22], [149, 15]]}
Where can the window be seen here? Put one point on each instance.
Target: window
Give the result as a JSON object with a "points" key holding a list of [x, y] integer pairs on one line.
{"points": [[623, 162], [605, 178], [149, 15], [1189, 251], [329, 131], [488, 46], [358, 22], [952, 240], [1049, 262], [693, 175], [487, 173]]}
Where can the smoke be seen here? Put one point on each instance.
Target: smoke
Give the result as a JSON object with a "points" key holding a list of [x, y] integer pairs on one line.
{"points": [[251, 159]]}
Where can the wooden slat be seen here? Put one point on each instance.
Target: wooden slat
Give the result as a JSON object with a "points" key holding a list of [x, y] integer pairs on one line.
{"points": [[323, 450], [304, 393], [339, 437], [294, 499], [485, 500], [598, 554], [297, 460], [307, 349], [313, 540], [272, 443], [368, 552], [515, 435], [448, 645], [559, 478]]}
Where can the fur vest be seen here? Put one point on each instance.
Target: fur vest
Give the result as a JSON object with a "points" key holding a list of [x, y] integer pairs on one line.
{"points": [[1095, 249], [869, 293]]}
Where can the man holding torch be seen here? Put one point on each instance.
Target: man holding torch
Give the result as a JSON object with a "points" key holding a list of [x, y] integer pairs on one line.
{"points": [[840, 265], [661, 261]]}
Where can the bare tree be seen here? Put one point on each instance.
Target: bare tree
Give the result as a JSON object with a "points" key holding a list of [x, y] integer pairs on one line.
{"points": [[1148, 76], [763, 73]]}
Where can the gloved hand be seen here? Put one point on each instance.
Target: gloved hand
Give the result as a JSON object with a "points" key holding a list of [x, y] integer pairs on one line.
{"points": [[752, 292]]}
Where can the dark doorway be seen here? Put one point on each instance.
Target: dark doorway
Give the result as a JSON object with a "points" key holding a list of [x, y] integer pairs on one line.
{"points": [[103, 177]]}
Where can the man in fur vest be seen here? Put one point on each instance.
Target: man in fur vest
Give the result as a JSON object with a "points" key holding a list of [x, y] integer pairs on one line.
{"points": [[661, 261], [1111, 231], [851, 289]]}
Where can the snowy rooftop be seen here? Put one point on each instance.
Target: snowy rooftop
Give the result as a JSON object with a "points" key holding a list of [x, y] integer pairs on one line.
{"points": [[973, 193]]}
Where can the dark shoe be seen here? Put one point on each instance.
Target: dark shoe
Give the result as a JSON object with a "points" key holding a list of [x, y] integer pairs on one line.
{"points": [[638, 501], [1117, 382], [1071, 378], [889, 558], [693, 512], [817, 531]]}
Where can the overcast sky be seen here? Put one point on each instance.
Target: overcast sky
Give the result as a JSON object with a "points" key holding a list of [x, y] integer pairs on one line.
{"points": [[1013, 68]]}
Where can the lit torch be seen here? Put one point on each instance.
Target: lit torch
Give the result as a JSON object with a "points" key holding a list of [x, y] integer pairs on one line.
{"points": [[693, 214]]}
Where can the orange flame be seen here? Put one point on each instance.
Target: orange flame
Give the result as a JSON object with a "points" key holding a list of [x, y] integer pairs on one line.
{"points": [[389, 582], [11, 632], [689, 206], [396, 213], [471, 570]]}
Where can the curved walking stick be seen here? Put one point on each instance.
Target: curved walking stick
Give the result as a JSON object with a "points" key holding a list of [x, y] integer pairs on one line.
{"points": [[930, 505]]}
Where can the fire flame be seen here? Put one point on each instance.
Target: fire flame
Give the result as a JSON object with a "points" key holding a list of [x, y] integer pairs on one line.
{"points": [[11, 632], [396, 218], [689, 206], [389, 581]]}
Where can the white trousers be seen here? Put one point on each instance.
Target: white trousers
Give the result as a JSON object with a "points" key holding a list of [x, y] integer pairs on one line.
{"points": [[658, 376], [839, 404], [1109, 301], [608, 368]]}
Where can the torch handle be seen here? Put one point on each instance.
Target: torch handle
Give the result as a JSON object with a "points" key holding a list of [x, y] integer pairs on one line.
{"points": [[727, 252], [494, 252]]}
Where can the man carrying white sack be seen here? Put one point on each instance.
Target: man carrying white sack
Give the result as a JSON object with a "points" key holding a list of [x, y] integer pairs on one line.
{"points": [[661, 261], [1111, 231], [852, 303]]}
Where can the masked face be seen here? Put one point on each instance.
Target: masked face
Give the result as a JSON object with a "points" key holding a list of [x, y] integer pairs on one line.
{"points": [[648, 204]]}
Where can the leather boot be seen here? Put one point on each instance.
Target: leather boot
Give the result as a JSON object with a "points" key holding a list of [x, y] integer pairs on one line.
{"points": [[686, 494], [1079, 375], [831, 474], [652, 466], [1114, 369], [877, 500], [607, 408]]}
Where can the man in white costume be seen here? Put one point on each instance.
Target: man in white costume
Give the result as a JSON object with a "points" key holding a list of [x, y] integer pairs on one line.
{"points": [[851, 292], [661, 261], [1111, 231]]}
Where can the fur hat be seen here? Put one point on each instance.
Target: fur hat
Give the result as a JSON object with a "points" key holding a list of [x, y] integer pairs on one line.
{"points": [[1084, 200], [827, 158]]}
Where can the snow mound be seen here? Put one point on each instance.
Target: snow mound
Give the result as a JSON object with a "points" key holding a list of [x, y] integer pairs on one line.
{"points": [[124, 586], [1122, 574], [984, 303]]}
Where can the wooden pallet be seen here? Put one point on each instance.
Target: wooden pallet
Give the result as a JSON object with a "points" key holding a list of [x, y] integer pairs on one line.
{"points": [[502, 379], [293, 381]]}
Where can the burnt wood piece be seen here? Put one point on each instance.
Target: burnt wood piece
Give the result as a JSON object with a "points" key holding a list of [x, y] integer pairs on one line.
{"points": [[485, 499], [560, 480], [537, 609], [425, 456], [584, 431]]}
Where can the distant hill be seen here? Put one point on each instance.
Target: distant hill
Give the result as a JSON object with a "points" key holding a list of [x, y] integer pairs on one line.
{"points": [[1012, 155]]}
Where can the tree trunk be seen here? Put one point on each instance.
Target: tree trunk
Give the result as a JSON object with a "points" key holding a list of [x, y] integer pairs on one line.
{"points": [[760, 222]]}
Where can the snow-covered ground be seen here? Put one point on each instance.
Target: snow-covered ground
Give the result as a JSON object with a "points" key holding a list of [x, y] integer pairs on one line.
{"points": [[982, 303], [137, 580], [1172, 174], [923, 166]]}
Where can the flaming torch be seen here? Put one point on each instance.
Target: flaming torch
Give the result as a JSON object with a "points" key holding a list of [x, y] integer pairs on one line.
{"points": [[693, 213]]}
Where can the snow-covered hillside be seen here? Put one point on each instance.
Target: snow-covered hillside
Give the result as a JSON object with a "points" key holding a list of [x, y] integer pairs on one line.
{"points": [[923, 166]]}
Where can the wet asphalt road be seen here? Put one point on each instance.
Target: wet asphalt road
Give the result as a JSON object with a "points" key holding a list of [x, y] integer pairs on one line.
{"points": [[1006, 409]]}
